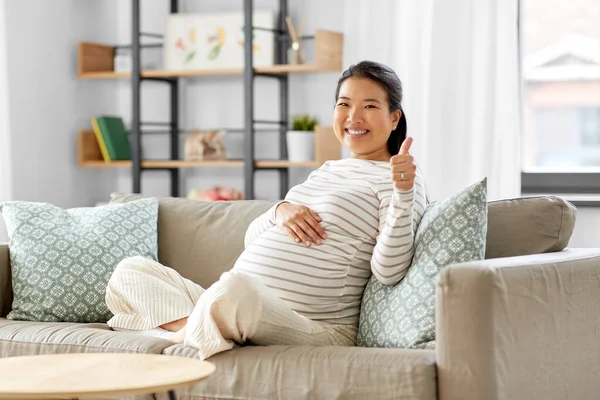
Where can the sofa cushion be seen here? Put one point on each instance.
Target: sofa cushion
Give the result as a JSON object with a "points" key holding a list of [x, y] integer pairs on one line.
{"points": [[529, 225], [62, 259], [201, 240], [308, 372], [450, 232], [20, 338]]}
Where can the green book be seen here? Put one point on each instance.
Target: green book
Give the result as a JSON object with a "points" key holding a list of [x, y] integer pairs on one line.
{"points": [[115, 137]]}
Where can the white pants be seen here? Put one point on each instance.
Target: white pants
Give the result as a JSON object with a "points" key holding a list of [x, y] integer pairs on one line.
{"points": [[143, 294]]}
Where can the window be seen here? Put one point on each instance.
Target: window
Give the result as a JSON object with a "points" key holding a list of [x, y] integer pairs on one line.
{"points": [[590, 128], [567, 137], [560, 64]]}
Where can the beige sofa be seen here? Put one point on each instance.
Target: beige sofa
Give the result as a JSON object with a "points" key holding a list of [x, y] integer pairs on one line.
{"points": [[523, 324]]}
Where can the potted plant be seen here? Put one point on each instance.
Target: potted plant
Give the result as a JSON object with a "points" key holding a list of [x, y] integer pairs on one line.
{"points": [[301, 139]]}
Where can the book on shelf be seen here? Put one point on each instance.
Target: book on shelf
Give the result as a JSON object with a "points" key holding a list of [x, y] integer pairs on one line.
{"points": [[112, 138], [100, 141]]}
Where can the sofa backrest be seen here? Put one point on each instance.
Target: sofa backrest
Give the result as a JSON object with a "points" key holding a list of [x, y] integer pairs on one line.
{"points": [[202, 240], [529, 225]]}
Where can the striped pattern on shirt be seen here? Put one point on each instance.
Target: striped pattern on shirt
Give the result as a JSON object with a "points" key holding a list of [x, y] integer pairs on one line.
{"points": [[370, 229]]}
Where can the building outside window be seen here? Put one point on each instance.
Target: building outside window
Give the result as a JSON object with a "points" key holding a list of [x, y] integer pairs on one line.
{"points": [[560, 47], [566, 137]]}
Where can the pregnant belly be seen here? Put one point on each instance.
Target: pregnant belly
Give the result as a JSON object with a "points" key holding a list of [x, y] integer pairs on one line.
{"points": [[310, 279]]}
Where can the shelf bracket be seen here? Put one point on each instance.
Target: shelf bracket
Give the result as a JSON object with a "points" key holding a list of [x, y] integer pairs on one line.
{"points": [[152, 35], [165, 80]]}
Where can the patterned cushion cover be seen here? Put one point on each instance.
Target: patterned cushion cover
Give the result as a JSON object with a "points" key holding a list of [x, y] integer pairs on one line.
{"points": [[62, 259], [450, 232]]}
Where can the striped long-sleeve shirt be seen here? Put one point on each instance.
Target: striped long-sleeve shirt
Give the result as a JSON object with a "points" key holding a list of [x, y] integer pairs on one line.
{"points": [[370, 229]]}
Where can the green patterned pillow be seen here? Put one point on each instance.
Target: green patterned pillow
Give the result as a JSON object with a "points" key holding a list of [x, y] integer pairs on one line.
{"points": [[62, 259], [403, 315]]}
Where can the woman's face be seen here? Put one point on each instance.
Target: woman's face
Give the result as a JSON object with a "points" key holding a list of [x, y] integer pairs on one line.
{"points": [[362, 120]]}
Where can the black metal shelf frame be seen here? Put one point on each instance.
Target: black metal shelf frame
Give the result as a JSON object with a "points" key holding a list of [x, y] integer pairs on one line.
{"points": [[249, 76]]}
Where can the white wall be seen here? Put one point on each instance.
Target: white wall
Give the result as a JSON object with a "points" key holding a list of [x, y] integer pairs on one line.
{"points": [[5, 169], [587, 228], [48, 104]]}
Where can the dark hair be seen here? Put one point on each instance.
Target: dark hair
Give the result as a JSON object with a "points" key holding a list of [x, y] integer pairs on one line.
{"points": [[389, 81]]}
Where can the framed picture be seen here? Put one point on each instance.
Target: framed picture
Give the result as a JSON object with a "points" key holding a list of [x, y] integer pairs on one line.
{"points": [[212, 41]]}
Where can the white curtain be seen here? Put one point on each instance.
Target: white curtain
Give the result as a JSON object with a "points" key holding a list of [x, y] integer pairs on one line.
{"points": [[5, 169], [458, 61]]}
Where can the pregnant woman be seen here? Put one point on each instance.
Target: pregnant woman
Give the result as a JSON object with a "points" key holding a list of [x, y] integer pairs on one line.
{"points": [[307, 260]]}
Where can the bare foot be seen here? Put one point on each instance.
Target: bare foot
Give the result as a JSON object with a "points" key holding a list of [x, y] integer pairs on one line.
{"points": [[179, 336], [175, 326]]}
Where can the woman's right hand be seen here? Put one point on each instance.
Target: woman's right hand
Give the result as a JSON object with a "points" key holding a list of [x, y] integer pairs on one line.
{"points": [[300, 223]]}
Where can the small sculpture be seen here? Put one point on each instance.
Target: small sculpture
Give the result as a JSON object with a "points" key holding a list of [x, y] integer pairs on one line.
{"points": [[200, 146]]}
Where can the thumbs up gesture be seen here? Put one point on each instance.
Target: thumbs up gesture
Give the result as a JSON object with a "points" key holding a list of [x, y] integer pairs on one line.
{"points": [[403, 167]]}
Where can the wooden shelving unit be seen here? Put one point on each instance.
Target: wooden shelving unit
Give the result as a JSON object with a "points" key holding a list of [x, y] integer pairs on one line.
{"points": [[327, 147], [199, 164], [275, 69], [96, 61]]}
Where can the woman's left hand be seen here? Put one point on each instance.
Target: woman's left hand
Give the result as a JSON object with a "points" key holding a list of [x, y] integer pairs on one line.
{"points": [[403, 167]]}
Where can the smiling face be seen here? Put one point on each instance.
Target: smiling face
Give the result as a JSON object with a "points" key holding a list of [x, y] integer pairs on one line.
{"points": [[362, 120]]}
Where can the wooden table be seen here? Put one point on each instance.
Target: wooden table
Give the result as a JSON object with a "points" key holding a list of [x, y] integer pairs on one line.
{"points": [[80, 375]]}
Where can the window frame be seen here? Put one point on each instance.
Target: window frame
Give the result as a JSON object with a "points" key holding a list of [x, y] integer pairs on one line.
{"points": [[569, 185]]}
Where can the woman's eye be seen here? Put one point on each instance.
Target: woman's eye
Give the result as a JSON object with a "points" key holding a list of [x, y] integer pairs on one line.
{"points": [[342, 104], [370, 106]]}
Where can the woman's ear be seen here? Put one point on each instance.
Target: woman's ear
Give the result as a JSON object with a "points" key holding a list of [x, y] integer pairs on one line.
{"points": [[396, 115]]}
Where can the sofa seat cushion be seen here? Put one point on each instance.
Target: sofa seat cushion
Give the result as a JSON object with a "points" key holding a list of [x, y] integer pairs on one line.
{"points": [[309, 372], [21, 338]]}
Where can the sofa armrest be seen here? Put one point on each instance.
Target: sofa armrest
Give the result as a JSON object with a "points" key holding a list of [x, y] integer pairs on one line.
{"points": [[6, 293], [520, 327]]}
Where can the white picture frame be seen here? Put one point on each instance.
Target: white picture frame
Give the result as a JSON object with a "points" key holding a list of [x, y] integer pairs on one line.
{"points": [[216, 41]]}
